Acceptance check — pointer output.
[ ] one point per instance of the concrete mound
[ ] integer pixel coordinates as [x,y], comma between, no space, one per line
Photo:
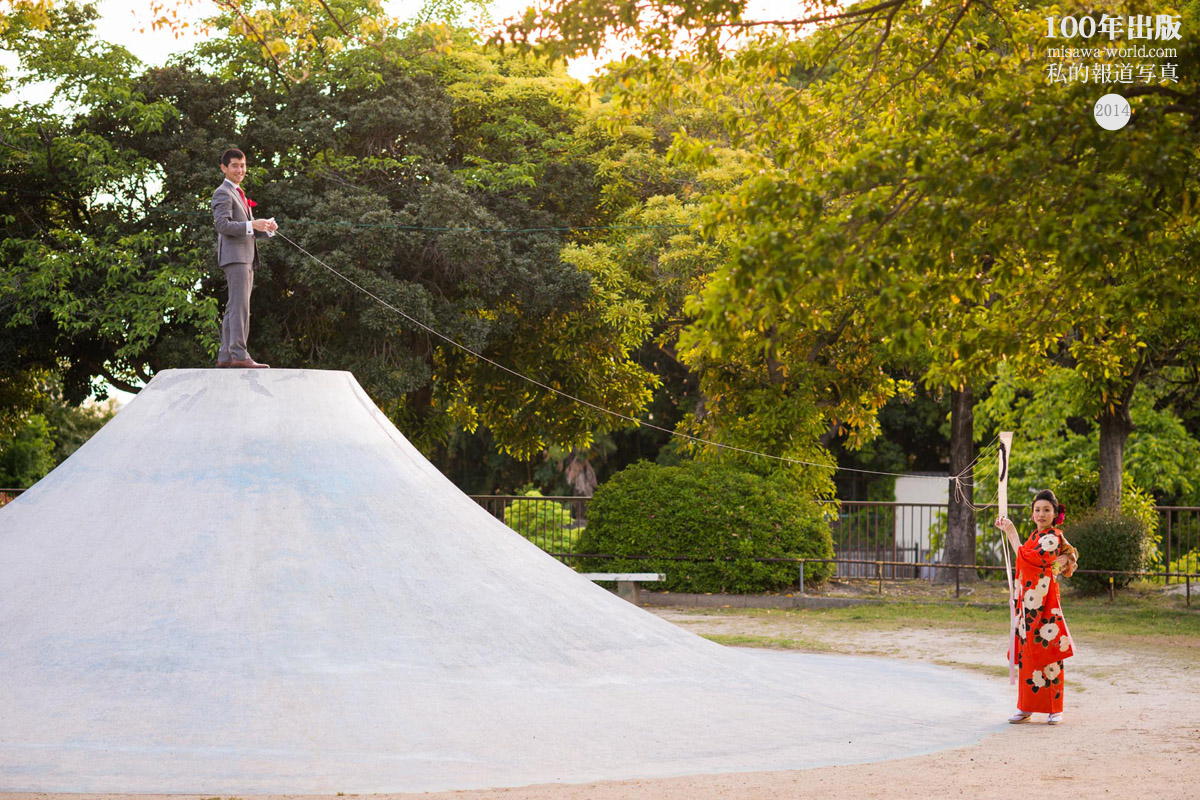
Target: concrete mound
[250,582]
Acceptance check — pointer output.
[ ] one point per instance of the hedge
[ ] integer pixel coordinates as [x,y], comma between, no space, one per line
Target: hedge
[701,511]
[1108,541]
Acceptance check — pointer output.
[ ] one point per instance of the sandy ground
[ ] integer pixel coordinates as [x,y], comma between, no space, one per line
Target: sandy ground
[1132,728]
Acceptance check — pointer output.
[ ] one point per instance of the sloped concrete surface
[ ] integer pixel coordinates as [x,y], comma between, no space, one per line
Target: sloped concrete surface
[249,581]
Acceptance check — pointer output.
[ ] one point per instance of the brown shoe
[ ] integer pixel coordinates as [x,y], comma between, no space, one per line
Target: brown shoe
[248,363]
[223,364]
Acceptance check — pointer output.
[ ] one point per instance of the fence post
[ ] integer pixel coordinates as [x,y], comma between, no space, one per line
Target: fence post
[802,576]
[1189,588]
[956,581]
[879,570]
[1168,540]
[1111,591]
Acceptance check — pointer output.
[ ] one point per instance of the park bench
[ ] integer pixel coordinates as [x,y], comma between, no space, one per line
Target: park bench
[627,582]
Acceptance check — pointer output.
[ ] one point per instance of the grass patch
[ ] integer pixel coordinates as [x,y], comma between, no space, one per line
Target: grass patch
[1128,619]
[1131,618]
[991,670]
[769,642]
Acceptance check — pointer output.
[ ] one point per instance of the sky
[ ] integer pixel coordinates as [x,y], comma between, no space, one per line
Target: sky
[126,22]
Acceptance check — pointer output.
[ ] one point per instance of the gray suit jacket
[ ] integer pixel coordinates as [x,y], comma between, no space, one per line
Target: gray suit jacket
[234,245]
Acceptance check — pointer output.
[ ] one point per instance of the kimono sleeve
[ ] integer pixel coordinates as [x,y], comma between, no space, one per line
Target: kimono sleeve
[1065,548]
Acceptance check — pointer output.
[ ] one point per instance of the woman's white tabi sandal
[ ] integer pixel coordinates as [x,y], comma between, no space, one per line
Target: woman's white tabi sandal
[1019,717]
[1054,719]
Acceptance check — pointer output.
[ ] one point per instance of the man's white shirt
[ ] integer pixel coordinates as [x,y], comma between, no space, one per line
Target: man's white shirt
[238,194]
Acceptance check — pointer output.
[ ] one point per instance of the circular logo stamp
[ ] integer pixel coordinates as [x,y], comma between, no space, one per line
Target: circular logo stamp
[1112,112]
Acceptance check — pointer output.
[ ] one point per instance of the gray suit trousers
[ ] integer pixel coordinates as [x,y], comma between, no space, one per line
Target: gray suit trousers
[235,326]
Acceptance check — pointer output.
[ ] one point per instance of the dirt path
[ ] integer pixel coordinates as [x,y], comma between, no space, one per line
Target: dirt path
[1132,729]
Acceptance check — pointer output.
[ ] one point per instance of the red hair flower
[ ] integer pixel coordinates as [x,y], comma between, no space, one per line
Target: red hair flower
[1062,514]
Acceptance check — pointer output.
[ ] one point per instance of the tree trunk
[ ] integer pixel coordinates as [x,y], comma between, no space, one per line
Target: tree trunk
[960,525]
[1115,427]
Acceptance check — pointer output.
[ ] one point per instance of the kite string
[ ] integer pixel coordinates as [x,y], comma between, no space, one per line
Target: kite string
[960,485]
[982,452]
[956,479]
[960,495]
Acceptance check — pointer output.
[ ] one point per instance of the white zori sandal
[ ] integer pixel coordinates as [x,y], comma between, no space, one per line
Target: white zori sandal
[1054,719]
[1019,717]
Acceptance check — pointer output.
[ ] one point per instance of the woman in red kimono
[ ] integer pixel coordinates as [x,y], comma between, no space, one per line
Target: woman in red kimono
[1042,641]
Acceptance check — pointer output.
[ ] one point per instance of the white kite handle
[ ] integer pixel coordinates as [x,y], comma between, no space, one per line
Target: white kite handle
[1002,513]
[1002,483]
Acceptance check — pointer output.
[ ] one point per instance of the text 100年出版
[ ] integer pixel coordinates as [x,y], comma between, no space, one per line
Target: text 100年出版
[1135,26]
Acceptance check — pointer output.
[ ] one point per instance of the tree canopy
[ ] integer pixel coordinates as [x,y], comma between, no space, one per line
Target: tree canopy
[444,181]
[762,232]
[922,193]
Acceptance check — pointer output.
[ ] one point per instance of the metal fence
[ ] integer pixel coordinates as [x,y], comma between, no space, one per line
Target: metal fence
[552,523]
[865,531]
[1179,527]
[871,539]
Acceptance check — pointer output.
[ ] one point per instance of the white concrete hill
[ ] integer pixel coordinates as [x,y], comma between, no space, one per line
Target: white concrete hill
[250,582]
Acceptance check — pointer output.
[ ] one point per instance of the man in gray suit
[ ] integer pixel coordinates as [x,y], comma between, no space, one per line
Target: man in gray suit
[237,255]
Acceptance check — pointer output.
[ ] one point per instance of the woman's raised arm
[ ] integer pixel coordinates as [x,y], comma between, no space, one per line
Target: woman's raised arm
[1010,532]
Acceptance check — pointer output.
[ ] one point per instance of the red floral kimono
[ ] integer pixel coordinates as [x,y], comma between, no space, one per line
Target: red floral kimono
[1042,640]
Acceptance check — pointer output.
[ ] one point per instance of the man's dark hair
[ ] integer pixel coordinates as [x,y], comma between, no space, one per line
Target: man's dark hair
[230,155]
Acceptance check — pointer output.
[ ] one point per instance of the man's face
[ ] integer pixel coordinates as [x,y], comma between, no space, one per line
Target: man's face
[235,170]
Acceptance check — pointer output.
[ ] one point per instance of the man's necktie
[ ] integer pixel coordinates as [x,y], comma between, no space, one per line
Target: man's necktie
[245,202]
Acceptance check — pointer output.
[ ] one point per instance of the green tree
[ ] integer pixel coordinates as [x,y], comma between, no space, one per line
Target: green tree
[47,434]
[917,173]
[1058,438]
[441,176]
[27,456]
[88,289]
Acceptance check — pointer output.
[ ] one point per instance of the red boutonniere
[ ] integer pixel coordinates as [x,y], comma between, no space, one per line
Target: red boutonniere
[250,202]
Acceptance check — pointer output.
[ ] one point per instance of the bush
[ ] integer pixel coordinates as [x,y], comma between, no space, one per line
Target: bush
[29,456]
[1080,491]
[1188,562]
[546,523]
[1108,541]
[698,510]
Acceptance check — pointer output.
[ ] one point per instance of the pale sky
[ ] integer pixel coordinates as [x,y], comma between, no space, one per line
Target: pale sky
[122,22]
[127,22]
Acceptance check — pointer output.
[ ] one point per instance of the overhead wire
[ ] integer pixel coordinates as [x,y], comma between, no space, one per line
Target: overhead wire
[957,479]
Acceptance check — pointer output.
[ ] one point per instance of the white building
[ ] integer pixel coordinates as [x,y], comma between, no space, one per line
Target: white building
[922,499]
